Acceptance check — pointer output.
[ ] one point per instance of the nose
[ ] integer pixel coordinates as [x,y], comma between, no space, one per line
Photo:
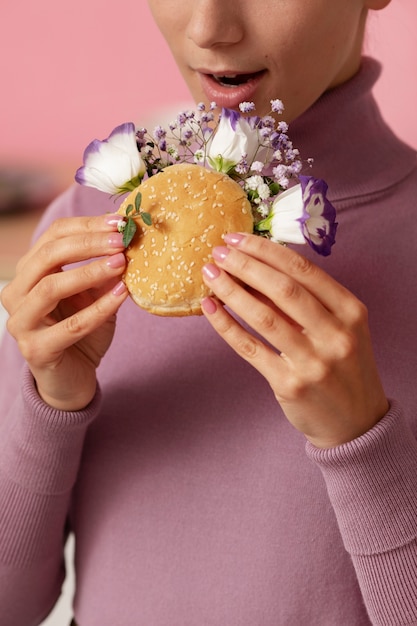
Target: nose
[215,23]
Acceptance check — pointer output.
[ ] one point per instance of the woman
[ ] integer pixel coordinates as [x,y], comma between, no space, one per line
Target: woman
[192,497]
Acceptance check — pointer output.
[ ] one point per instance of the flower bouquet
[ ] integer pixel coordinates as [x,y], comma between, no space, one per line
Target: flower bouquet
[252,151]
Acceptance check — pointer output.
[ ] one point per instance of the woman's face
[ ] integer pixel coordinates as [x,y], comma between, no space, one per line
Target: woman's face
[230,51]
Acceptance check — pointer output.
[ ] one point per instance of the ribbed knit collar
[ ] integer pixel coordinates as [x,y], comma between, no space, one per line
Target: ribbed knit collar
[353,148]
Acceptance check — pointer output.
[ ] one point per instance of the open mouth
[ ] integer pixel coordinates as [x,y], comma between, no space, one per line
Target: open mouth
[234,80]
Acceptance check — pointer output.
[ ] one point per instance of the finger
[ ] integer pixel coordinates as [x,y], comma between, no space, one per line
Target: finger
[53,255]
[260,355]
[262,316]
[55,288]
[47,344]
[67,226]
[284,291]
[334,296]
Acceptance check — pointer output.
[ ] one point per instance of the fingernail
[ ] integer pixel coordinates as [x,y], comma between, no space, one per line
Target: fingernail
[119,289]
[234,239]
[115,240]
[220,253]
[210,271]
[116,260]
[113,220]
[209,305]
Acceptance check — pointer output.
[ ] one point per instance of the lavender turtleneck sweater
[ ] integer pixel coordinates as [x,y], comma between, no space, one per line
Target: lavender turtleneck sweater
[193,501]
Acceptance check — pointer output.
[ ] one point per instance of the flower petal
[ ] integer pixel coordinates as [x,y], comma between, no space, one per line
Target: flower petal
[321,226]
[110,165]
[235,138]
[288,216]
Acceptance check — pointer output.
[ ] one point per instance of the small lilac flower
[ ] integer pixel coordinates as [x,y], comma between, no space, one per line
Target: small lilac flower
[247,107]
[113,165]
[257,166]
[234,139]
[277,106]
[303,214]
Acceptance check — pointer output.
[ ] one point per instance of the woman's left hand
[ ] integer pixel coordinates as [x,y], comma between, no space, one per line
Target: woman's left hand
[317,354]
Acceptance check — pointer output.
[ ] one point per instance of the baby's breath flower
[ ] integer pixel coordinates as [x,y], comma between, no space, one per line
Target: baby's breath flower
[199,156]
[264,191]
[257,166]
[255,151]
[277,106]
[247,107]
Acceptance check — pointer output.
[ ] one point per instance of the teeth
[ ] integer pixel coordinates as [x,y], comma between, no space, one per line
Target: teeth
[231,80]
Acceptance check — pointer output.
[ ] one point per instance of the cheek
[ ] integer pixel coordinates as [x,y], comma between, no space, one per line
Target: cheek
[170,18]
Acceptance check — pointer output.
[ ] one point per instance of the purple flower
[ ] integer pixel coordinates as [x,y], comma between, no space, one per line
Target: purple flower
[303,214]
[319,229]
[113,165]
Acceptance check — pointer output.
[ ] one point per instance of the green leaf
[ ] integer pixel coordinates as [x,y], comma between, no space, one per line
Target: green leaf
[138,200]
[129,232]
[146,218]
[129,209]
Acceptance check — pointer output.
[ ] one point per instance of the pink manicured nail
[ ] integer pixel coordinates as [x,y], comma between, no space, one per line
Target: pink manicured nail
[113,220]
[210,271]
[233,239]
[119,289]
[116,261]
[220,253]
[209,305]
[115,240]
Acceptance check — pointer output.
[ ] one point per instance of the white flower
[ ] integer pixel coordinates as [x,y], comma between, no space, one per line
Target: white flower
[253,182]
[286,216]
[113,165]
[303,214]
[234,139]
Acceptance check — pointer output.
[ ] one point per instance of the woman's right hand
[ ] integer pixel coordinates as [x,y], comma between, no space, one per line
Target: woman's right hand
[64,319]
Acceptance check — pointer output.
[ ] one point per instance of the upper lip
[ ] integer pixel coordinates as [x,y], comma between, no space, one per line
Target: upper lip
[227,73]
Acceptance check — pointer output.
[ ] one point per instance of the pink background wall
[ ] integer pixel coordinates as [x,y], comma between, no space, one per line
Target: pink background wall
[71,71]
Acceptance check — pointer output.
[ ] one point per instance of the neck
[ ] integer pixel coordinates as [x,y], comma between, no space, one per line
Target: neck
[352,147]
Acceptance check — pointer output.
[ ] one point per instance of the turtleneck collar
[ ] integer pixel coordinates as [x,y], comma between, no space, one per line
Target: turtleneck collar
[352,147]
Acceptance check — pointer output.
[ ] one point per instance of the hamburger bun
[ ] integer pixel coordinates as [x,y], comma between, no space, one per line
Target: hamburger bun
[191,208]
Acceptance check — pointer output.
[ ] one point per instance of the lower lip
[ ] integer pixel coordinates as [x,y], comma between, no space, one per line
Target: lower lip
[226,96]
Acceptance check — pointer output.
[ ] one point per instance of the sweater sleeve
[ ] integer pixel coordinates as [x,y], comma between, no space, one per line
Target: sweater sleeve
[372,484]
[40,451]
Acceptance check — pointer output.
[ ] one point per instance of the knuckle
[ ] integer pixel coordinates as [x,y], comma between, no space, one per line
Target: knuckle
[265,320]
[244,262]
[88,272]
[4,297]
[85,242]
[345,345]
[294,388]
[11,327]
[29,347]
[247,347]
[46,252]
[300,265]
[91,224]
[244,344]
[286,287]
[58,227]
[73,324]
[46,288]
[359,314]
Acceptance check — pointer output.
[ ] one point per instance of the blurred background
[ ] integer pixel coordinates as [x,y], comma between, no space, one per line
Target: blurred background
[72,71]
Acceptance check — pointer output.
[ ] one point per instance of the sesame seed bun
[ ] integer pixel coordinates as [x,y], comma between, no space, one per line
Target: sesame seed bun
[192,208]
